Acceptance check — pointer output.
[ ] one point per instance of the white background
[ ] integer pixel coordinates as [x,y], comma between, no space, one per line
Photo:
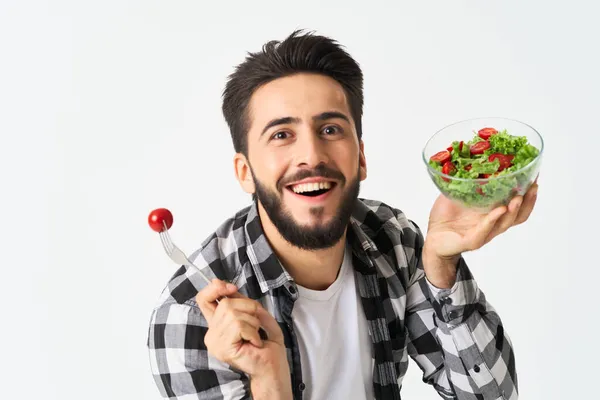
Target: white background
[110,109]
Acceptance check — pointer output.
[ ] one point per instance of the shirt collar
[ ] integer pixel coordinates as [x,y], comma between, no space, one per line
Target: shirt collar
[269,272]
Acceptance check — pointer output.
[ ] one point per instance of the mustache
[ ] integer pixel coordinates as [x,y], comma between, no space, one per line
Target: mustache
[321,171]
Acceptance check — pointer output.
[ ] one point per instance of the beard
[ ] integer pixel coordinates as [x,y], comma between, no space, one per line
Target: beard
[322,235]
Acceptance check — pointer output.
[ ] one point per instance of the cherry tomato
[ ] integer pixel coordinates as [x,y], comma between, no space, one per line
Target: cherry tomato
[157,217]
[485,133]
[441,157]
[447,169]
[504,159]
[480,147]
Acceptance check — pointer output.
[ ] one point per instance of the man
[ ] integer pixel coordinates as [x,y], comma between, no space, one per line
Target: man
[345,288]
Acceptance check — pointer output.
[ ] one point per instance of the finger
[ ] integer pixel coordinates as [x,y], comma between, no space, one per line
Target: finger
[270,325]
[238,331]
[234,316]
[528,205]
[230,305]
[477,236]
[207,297]
[226,340]
[508,219]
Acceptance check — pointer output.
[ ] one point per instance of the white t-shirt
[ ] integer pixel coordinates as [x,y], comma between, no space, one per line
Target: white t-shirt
[334,341]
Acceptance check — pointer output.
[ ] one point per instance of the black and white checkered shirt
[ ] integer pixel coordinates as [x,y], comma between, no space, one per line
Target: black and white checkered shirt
[454,335]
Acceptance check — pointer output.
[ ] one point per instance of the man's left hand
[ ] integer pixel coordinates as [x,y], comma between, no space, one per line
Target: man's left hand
[454,229]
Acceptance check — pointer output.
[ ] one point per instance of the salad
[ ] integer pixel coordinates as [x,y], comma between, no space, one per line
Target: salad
[485,167]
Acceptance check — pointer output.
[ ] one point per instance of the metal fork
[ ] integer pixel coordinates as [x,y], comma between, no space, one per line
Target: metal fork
[179,257]
[176,254]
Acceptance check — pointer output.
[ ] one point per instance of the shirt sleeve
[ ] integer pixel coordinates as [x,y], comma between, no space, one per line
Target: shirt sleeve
[181,366]
[455,336]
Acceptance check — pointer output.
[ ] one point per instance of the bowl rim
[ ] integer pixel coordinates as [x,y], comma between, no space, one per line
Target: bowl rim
[528,166]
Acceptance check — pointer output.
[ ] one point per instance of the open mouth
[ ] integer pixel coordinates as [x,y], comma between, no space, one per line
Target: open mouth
[312,189]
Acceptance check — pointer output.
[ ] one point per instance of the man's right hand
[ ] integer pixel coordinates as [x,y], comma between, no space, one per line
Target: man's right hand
[233,338]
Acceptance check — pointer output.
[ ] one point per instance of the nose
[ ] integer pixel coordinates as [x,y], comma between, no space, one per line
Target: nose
[311,150]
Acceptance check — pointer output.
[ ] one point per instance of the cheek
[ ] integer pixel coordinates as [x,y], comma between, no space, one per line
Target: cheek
[348,161]
[269,167]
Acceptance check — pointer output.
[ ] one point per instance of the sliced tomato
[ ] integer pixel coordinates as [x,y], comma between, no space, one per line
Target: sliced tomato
[468,167]
[159,218]
[504,159]
[460,146]
[448,168]
[480,147]
[480,191]
[441,157]
[450,148]
[485,133]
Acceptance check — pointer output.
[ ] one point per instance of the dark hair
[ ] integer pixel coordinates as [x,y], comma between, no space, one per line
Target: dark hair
[299,52]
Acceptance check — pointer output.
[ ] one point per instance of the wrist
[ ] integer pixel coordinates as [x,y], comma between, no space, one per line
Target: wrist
[440,271]
[273,382]
[271,387]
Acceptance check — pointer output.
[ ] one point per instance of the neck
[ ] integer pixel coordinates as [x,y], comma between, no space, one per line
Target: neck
[312,269]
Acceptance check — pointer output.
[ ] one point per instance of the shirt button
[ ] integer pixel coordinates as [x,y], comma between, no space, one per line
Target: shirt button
[292,290]
[476,368]
[448,300]
[301,386]
[452,314]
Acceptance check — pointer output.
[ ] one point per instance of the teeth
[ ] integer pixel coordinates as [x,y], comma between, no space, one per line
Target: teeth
[311,187]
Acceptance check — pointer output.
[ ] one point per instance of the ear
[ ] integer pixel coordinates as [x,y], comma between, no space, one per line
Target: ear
[362,162]
[243,173]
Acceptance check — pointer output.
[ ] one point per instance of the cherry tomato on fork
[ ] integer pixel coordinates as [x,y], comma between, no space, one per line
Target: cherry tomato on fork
[158,218]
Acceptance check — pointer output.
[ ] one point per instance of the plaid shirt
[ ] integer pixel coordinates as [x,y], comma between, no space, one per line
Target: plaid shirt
[454,335]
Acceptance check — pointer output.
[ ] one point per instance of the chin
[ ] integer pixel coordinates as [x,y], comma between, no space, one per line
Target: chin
[312,216]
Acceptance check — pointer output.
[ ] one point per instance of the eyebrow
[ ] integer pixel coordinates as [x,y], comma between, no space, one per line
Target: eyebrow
[293,120]
[279,121]
[331,115]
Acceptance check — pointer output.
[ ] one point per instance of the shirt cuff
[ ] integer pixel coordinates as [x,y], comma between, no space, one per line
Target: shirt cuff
[454,305]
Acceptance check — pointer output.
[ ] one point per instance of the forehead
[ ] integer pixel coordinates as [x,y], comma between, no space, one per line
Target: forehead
[301,96]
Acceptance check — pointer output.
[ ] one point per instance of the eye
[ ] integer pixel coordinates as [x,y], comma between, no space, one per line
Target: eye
[330,130]
[281,135]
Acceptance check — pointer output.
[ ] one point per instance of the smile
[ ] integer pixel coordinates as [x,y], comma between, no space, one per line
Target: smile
[312,189]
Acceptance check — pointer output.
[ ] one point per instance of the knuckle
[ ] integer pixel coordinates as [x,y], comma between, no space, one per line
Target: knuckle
[200,297]
[238,324]
[225,304]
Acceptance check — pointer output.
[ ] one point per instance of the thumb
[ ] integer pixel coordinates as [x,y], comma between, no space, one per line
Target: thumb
[207,297]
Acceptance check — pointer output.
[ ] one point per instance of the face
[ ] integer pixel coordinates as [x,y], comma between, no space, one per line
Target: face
[305,162]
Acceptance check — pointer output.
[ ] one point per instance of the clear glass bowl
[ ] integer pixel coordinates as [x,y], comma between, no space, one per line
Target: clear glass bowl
[483,194]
